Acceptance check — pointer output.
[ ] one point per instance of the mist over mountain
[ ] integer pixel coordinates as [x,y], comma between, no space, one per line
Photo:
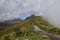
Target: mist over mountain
[51,11]
[11,9]
[13,21]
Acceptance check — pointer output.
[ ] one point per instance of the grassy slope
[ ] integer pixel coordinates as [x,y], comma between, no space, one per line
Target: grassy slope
[44,25]
[25,30]
[22,31]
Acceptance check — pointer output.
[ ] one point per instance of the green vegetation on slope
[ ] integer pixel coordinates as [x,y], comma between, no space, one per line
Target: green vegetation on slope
[25,30]
[44,25]
[21,31]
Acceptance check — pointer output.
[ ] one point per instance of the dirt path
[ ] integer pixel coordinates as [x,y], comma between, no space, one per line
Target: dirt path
[51,36]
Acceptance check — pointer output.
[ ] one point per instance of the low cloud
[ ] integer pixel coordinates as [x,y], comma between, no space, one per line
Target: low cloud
[10,9]
[51,11]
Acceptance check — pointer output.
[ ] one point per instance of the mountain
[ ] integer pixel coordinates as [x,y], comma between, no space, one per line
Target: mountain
[24,30]
[30,17]
[12,22]
[7,23]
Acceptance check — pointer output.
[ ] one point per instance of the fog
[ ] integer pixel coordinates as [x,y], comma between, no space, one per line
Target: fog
[11,9]
[49,9]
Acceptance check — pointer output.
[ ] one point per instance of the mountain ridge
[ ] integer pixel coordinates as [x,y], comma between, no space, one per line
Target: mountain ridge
[25,25]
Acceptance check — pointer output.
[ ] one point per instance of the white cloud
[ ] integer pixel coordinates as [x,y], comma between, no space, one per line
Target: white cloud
[51,11]
[10,9]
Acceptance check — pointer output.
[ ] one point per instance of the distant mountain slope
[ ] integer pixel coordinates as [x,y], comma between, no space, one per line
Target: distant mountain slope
[7,23]
[12,22]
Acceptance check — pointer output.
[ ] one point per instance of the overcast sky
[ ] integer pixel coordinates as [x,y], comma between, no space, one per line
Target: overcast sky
[10,9]
[51,11]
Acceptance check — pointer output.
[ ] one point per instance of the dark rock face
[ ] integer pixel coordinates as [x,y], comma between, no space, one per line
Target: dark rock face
[30,16]
[4,25]
[9,23]
[12,22]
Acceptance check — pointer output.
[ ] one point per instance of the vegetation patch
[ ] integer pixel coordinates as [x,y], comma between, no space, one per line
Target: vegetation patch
[44,25]
[22,31]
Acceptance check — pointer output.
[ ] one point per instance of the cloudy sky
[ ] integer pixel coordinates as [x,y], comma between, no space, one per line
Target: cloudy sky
[10,9]
[51,11]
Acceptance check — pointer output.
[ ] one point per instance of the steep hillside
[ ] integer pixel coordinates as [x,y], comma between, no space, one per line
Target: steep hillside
[44,25]
[22,31]
[25,30]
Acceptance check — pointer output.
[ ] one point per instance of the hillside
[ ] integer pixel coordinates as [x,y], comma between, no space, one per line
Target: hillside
[44,25]
[25,30]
